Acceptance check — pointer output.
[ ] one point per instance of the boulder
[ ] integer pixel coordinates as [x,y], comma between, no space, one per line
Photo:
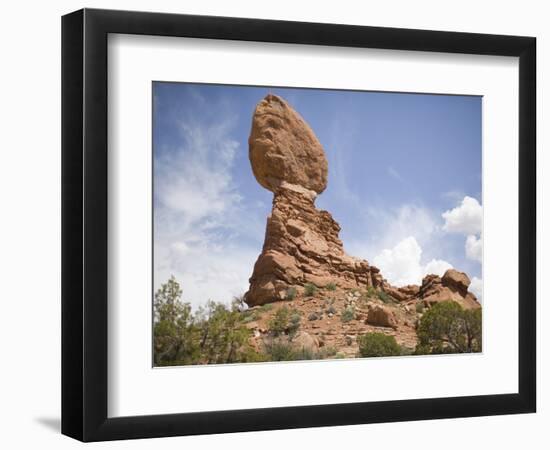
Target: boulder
[381,316]
[455,280]
[284,150]
[305,341]
[452,286]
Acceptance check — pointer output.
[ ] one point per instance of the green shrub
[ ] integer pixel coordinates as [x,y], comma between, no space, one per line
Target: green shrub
[279,322]
[283,350]
[310,289]
[290,293]
[278,350]
[384,297]
[331,310]
[420,307]
[214,334]
[303,354]
[447,328]
[327,352]
[348,314]
[267,307]
[331,287]
[223,337]
[313,316]
[294,323]
[285,321]
[378,344]
[175,334]
[370,294]
[250,316]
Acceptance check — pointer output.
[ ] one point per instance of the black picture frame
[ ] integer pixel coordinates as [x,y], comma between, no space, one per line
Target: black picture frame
[84,224]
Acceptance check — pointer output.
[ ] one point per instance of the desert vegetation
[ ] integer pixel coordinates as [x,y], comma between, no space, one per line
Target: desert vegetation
[311,323]
[378,344]
[448,328]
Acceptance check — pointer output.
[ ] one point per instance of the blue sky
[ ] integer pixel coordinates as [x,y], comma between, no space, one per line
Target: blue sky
[404,182]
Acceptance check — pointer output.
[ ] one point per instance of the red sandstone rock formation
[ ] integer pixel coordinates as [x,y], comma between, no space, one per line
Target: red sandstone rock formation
[301,242]
[452,286]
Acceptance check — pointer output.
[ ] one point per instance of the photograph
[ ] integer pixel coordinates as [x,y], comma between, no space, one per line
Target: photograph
[298,224]
[249,225]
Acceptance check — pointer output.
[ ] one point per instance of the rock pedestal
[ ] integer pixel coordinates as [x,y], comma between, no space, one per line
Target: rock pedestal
[302,246]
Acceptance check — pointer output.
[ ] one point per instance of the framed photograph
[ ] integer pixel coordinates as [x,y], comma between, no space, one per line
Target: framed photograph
[273,224]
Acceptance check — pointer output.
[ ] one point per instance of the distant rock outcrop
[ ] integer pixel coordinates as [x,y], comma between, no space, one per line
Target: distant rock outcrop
[302,243]
[452,286]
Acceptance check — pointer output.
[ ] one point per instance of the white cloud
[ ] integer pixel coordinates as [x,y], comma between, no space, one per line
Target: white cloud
[474,248]
[409,220]
[476,288]
[200,218]
[465,218]
[437,267]
[409,243]
[401,265]
[206,272]
[195,180]
[388,226]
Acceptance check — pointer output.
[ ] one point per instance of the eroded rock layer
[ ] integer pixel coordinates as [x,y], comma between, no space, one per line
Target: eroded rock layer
[302,246]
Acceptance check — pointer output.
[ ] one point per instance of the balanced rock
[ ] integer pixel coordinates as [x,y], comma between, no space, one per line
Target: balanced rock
[301,242]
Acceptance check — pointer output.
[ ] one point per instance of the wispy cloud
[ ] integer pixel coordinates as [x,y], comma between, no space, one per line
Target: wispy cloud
[454,195]
[388,226]
[395,174]
[205,231]
[195,180]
